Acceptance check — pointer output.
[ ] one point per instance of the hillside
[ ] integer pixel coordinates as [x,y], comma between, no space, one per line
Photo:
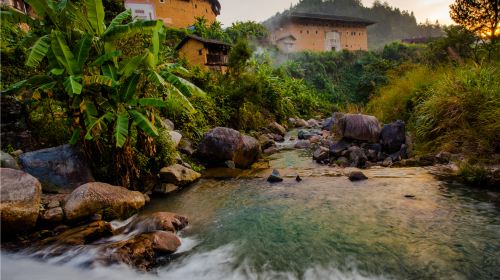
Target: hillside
[392,23]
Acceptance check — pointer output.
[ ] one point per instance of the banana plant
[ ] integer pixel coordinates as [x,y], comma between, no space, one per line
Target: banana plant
[99,83]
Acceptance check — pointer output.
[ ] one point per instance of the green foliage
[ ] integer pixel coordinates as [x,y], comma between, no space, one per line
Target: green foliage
[212,31]
[449,108]
[239,56]
[474,175]
[110,94]
[249,30]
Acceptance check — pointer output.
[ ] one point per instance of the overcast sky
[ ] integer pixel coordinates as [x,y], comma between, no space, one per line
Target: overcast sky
[259,10]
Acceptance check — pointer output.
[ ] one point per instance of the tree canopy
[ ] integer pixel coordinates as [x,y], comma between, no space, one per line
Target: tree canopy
[479,16]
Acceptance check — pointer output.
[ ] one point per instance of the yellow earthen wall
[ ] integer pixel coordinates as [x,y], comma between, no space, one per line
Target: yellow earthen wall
[312,36]
[191,52]
[182,13]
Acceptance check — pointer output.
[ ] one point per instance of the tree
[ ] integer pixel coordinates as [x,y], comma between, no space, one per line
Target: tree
[239,56]
[479,16]
[110,97]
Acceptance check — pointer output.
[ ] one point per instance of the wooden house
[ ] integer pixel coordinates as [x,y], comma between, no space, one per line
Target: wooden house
[206,53]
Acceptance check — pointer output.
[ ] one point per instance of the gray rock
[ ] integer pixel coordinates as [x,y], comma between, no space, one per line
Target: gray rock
[52,216]
[176,137]
[19,201]
[387,162]
[321,154]
[7,161]
[60,169]
[301,123]
[277,128]
[392,136]
[357,156]
[337,148]
[165,188]
[221,144]
[186,147]
[113,202]
[270,151]
[302,144]
[312,123]
[265,141]
[359,127]
[179,175]
[275,177]
[308,134]
[168,124]
[357,176]
[328,124]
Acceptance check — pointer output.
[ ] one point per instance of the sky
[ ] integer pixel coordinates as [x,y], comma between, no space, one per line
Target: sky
[259,10]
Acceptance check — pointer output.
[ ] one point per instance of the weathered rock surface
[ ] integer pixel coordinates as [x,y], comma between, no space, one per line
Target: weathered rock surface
[176,137]
[359,127]
[321,154]
[59,169]
[165,188]
[164,221]
[53,215]
[20,201]
[7,161]
[101,198]
[338,147]
[277,128]
[357,156]
[265,141]
[392,136]
[275,177]
[179,175]
[82,235]
[222,144]
[301,123]
[302,144]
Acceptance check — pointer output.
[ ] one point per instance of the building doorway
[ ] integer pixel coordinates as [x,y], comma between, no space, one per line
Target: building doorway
[332,41]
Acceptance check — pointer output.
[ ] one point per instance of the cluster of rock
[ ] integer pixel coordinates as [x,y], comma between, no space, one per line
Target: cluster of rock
[357,141]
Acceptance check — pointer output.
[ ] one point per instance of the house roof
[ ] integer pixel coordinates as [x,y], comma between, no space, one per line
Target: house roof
[324,17]
[202,40]
[216,7]
[286,37]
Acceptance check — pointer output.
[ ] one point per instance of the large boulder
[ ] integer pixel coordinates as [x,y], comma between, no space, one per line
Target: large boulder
[393,136]
[277,128]
[19,200]
[101,198]
[60,169]
[359,127]
[223,144]
[178,175]
[7,161]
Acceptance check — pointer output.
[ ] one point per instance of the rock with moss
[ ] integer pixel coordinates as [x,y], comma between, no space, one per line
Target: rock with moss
[7,161]
[179,175]
[113,202]
[20,201]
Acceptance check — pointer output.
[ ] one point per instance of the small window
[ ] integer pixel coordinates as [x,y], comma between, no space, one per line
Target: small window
[195,5]
[316,31]
[301,31]
[162,1]
[200,51]
[307,31]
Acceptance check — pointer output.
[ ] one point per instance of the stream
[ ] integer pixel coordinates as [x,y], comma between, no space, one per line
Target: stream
[399,224]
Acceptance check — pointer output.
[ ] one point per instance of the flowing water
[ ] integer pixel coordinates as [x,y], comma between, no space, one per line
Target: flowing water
[399,224]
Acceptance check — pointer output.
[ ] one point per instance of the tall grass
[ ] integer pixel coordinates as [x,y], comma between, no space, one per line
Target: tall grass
[454,109]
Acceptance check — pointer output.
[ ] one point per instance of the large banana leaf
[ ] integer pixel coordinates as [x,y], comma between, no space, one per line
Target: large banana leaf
[95,14]
[120,18]
[38,51]
[34,82]
[109,71]
[130,65]
[98,125]
[121,128]
[158,80]
[82,51]
[143,123]
[72,85]
[105,57]
[128,89]
[62,52]
[99,80]
[152,102]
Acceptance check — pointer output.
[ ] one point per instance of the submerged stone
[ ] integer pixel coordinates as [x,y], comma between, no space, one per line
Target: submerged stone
[275,177]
